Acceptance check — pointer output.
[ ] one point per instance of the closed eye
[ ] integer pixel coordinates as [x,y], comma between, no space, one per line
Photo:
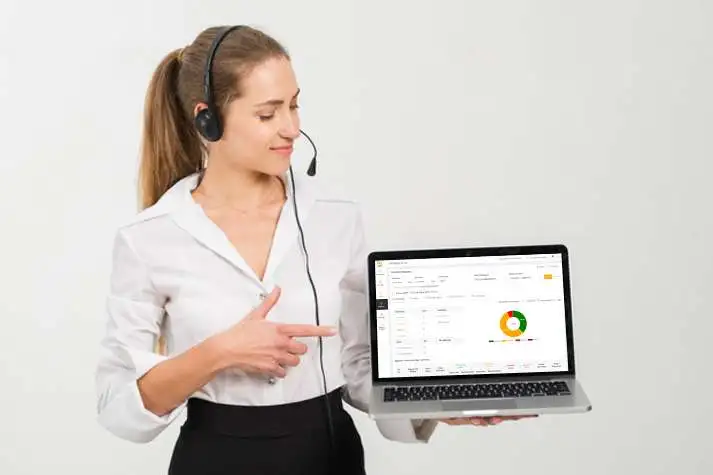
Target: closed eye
[265,118]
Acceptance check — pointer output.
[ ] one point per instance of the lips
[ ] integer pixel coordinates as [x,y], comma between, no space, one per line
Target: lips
[284,150]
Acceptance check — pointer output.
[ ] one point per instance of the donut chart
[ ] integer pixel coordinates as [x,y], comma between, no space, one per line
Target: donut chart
[513,323]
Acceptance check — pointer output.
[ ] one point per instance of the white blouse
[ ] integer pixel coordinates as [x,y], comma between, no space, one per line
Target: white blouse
[175,272]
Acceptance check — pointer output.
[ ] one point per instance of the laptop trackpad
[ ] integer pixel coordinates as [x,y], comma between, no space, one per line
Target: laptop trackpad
[479,405]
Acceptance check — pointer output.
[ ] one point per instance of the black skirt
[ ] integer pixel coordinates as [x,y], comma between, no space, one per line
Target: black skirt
[292,439]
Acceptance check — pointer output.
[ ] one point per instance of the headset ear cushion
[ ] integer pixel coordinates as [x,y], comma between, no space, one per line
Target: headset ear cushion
[207,125]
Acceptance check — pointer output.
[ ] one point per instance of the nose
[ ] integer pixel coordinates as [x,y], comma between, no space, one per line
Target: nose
[290,126]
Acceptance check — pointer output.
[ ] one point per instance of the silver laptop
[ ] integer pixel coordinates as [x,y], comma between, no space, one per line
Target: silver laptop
[472,332]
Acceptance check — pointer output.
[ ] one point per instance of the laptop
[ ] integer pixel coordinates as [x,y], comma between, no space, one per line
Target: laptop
[472,332]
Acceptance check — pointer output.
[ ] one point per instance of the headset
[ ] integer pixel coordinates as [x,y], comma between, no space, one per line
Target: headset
[209,125]
[208,120]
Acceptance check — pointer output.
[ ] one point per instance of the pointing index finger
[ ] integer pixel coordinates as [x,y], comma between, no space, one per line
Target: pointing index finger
[296,329]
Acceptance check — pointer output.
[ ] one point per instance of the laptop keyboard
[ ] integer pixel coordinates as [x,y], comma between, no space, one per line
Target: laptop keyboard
[475,391]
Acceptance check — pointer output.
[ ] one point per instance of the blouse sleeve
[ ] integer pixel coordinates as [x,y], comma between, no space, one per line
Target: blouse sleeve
[356,362]
[134,312]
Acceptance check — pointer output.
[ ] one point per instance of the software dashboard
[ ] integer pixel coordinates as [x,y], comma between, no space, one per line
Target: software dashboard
[470,315]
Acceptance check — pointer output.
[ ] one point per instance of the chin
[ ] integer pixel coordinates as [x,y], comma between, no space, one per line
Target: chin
[276,168]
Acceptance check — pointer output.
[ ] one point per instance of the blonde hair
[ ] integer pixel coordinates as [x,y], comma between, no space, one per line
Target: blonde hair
[171,148]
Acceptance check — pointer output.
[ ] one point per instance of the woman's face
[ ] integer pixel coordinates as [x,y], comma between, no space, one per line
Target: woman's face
[260,127]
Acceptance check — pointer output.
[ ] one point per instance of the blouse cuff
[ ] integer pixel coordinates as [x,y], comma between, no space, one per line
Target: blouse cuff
[125,414]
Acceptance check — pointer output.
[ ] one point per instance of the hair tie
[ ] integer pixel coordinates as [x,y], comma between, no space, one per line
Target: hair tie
[180,54]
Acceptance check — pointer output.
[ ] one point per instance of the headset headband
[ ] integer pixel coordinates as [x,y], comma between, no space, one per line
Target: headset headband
[208,73]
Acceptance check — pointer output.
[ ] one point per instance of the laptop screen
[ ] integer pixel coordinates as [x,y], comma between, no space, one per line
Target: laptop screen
[475,315]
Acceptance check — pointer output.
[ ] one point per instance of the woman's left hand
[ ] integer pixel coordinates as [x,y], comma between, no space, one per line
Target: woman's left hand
[482,421]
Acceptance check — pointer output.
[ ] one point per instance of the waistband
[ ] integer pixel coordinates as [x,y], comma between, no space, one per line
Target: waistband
[262,421]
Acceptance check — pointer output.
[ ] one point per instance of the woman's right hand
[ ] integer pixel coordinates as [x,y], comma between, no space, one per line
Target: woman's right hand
[256,345]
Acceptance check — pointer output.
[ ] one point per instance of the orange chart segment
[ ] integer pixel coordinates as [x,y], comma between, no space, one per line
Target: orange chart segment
[513,323]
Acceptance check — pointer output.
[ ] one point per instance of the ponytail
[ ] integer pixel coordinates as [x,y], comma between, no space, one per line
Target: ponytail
[170,148]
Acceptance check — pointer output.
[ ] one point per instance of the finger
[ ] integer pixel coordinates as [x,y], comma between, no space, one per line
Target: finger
[479,421]
[261,311]
[515,418]
[296,329]
[295,347]
[287,359]
[279,372]
[290,345]
[273,367]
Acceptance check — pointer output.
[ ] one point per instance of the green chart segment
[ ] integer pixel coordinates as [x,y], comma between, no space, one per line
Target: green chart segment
[513,323]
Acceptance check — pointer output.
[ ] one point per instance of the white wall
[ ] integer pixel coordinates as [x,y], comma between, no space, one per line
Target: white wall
[513,122]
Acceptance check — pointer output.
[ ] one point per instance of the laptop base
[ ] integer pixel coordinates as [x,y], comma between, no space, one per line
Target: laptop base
[576,402]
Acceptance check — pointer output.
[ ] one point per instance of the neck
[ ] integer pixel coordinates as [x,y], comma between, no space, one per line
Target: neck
[240,189]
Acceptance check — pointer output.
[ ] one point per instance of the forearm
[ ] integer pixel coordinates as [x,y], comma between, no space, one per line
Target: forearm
[169,383]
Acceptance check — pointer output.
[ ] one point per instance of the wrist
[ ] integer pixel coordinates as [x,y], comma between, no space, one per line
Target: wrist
[216,355]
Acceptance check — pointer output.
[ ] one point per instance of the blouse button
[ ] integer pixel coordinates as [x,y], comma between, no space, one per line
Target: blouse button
[271,380]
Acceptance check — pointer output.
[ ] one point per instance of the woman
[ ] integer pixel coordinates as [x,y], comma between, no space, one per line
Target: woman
[254,331]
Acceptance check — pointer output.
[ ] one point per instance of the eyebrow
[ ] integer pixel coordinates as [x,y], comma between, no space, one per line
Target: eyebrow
[276,102]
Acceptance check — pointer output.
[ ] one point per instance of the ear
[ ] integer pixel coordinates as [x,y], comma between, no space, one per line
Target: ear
[199,107]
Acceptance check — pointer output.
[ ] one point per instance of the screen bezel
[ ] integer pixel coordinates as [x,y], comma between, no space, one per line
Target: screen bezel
[471,252]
